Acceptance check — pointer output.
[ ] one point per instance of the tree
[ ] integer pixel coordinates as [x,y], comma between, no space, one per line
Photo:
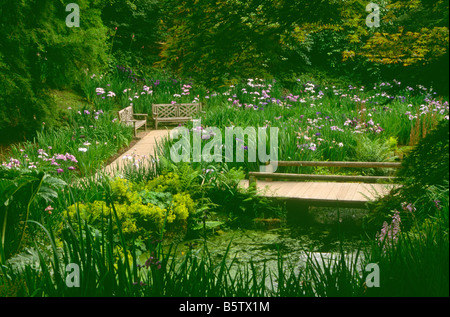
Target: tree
[134,28]
[412,42]
[37,52]
[216,41]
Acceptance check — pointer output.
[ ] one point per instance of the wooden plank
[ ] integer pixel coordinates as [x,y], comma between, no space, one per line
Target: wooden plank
[329,178]
[272,189]
[343,191]
[340,164]
[298,189]
[376,190]
[280,188]
[332,193]
[313,191]
[350,195]
[362,193]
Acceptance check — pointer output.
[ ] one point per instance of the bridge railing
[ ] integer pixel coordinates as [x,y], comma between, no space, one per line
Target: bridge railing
[269,175]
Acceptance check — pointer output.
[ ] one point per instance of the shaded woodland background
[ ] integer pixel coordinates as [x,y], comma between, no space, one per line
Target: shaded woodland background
[213,43]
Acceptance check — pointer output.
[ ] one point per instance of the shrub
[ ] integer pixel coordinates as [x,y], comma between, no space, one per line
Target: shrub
[424,179]
[21,190]
[38,52]
[142,212]
[167,182]
[428,163]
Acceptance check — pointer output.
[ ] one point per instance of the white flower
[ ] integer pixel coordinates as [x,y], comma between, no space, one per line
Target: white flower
[82,149]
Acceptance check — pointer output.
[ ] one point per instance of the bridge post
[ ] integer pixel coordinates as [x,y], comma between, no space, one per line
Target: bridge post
[267,168]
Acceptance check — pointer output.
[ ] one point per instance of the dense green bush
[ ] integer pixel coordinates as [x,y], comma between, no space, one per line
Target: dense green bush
[145,210]
[37,52]
[24,193]
[424,179]
[133,26]
[428,163]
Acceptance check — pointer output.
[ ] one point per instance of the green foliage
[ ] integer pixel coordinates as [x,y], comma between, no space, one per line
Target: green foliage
[134,31]
[417,263]
[82,145]
[112,266]
[38,51]
[424,179]
[221,41]
[167,182]
[378,150]
[144,210]
[428,163]
[20,189]
[222,185]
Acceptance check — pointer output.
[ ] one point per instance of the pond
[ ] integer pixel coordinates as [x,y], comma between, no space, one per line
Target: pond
[259,245]
[298,242]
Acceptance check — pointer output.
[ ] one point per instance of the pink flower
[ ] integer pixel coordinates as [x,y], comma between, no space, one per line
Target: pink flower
[54,163]
[60,170]
[389,233]
[49,210]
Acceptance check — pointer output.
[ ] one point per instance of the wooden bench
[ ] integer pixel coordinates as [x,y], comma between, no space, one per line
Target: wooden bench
[127,116]
[174,112]
[268,175]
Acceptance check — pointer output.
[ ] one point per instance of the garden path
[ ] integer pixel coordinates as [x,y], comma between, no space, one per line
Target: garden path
[314,193]
[140,152]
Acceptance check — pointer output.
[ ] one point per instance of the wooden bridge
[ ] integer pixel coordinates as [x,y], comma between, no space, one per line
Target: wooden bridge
[311,189]
[324,190]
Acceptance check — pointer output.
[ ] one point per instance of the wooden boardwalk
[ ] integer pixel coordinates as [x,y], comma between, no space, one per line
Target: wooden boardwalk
[322,193]
[140,153]
[319,193]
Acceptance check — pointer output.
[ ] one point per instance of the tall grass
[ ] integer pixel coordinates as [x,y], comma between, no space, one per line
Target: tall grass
[89,137]
[110,266]
[315,121]
[337,122]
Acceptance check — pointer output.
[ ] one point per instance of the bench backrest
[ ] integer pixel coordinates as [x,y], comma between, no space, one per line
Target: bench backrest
[180,110]
[126,114]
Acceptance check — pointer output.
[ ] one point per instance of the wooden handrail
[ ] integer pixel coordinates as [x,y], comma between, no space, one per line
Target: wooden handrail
[330,178]
[314,177]
[338,164]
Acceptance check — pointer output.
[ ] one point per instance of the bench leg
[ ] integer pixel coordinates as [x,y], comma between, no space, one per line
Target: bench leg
[156,124]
